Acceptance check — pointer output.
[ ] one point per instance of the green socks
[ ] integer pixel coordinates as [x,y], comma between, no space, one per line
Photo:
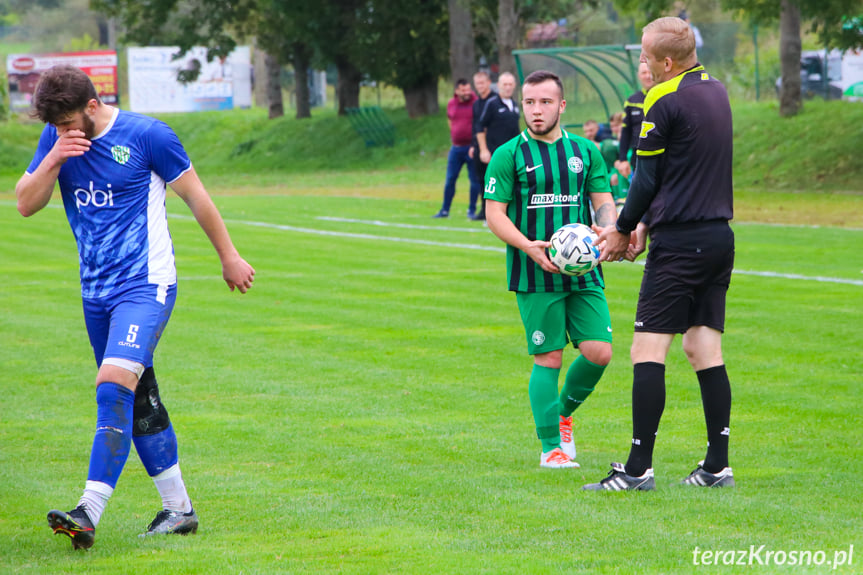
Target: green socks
[581,378]
[544,405]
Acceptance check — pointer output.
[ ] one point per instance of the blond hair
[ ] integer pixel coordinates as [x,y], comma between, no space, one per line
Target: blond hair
[673,39]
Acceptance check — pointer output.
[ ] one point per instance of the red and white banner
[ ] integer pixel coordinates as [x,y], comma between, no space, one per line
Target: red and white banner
[24,71]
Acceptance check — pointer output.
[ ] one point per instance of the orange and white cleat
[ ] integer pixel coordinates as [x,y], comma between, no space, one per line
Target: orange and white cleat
[566,441]
[557,459]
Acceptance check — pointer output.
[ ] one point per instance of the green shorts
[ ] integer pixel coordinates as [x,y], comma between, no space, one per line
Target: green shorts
[551,320]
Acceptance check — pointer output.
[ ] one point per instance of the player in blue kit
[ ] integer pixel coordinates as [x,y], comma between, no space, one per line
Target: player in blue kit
[113,167]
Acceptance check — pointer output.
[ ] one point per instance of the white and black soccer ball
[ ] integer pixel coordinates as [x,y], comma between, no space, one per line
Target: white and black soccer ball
[573,249]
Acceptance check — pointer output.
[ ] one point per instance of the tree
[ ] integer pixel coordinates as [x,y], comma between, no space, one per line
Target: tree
[507,34]
[405,44]
[301,57]
[299,33]
[790,47]
[826,17]
[279,30]
[335,29]
[275,105]
[401,42]
[502,23]
[462,53]
[215,24]
[52,25]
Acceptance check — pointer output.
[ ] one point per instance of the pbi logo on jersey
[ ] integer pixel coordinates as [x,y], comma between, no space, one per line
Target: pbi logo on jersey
[489,188]
[575,165]
[121,154]
[646,127]
[94,197]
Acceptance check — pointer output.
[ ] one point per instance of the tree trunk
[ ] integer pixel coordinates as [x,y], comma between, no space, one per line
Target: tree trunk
[462,57]
[422,100]
[790,99]
[347,85]
[302,61]
[259,76]
[273,80]
[507,35]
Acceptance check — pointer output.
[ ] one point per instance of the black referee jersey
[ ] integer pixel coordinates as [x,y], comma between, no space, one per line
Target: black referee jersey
[684,154]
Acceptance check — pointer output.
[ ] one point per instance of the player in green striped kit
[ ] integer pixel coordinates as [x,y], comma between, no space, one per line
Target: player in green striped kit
[535,183]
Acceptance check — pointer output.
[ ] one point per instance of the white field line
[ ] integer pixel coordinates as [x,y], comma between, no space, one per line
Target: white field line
[486,248]
[501,249]
[479,229]
[334,233]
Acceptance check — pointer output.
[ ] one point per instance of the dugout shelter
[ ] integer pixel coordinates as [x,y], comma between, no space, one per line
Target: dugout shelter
[597,80]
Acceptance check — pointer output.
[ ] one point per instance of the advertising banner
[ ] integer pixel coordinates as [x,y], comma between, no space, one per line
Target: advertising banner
[155,80]
[24,71]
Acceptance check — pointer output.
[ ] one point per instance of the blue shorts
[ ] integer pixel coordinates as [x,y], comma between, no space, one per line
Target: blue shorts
[129,323]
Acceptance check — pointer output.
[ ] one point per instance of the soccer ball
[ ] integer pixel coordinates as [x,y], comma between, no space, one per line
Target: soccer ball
[573,249]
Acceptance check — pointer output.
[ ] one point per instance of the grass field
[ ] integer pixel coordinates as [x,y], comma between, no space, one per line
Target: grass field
[364,408]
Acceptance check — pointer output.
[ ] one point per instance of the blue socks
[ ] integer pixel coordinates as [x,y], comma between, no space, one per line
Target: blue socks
[113,438]
[158,452]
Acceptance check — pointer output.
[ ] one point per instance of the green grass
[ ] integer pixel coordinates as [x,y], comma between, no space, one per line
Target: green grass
[364,408]
[816,151]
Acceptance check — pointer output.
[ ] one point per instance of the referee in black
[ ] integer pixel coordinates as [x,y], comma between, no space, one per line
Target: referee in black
[681,195]
[633,112]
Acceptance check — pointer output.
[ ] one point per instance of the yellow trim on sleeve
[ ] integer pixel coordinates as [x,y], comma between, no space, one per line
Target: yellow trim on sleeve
[650,152]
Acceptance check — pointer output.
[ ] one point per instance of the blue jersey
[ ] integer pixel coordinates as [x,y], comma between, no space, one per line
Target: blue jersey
[114,196]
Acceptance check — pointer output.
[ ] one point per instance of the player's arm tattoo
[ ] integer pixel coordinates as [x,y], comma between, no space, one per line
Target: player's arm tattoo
[605,214]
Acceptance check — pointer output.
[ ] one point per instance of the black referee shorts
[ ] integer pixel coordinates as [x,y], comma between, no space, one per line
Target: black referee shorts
[686,277]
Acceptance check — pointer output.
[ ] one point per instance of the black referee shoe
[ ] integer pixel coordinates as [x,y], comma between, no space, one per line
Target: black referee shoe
[618,480]
[74,524]
[702,478]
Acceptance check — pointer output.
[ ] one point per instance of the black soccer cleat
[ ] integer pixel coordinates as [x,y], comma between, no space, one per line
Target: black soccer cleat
[167,522]
[618,480]
[74,524]
[702,478]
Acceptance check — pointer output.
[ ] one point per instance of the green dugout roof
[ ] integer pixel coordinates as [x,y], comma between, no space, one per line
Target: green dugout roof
[596,79]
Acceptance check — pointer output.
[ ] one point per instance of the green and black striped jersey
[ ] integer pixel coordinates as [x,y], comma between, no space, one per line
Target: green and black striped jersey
[545,186]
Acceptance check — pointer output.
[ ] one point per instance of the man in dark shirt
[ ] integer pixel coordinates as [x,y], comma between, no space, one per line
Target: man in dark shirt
[482,85]
[682,192]
[633,112]
[498,123]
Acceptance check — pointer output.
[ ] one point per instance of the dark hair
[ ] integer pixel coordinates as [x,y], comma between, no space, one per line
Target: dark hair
[62,91]
[461,82]
[541,76]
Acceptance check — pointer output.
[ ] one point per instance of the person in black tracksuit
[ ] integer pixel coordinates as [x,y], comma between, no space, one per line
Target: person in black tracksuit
[482,85]
[633,112]
[498,123]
